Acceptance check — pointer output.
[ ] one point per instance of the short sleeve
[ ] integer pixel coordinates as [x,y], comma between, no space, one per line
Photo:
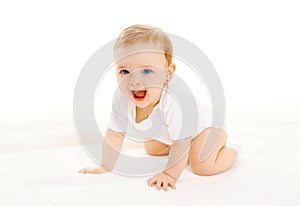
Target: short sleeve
[180,123]
[204,115]
[119,116]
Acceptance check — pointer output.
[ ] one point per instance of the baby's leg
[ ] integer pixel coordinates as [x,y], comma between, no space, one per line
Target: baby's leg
[156,148]
[211,157]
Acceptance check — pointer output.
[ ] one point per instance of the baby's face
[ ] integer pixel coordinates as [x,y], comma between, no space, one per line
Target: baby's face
[142,76]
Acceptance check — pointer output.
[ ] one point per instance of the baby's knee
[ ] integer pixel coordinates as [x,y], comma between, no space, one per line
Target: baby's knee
[202,169]
[155,152]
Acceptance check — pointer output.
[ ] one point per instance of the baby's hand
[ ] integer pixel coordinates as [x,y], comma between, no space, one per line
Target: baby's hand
[93,170]
[162,180]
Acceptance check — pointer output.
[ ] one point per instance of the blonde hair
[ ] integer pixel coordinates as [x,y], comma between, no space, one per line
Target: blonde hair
[142,33]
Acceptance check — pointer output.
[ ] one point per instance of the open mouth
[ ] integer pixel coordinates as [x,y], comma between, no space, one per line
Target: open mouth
[139,95]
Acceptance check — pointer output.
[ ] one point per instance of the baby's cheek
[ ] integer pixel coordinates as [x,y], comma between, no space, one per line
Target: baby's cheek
[155,91]
[123,89]
[155,83]
[122,84]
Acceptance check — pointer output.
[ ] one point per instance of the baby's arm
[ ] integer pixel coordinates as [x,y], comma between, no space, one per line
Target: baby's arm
[111,148]
[178,157]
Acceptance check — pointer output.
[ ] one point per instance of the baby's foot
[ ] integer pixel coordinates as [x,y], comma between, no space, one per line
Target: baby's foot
[238,149]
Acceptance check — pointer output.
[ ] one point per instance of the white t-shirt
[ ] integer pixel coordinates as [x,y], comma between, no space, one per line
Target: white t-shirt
[165,123]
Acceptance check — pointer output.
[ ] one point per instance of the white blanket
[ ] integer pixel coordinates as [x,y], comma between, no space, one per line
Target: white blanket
[39,166]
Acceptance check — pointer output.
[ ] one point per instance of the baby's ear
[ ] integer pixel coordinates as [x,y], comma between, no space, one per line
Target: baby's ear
[170,70]
[172,67]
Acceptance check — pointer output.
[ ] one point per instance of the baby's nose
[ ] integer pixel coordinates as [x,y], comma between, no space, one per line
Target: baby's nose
[134,83]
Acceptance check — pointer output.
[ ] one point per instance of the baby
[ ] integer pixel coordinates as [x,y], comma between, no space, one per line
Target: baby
[144,79]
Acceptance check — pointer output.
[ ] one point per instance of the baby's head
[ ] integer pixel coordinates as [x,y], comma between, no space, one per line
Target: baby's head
[143,56]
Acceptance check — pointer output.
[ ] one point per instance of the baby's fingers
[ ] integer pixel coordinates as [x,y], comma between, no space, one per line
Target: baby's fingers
[83,170]
[89,170]
[172,185]
[158,184]
[165,185]
[151,181]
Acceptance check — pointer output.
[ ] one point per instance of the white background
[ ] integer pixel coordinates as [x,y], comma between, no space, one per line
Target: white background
[254,46]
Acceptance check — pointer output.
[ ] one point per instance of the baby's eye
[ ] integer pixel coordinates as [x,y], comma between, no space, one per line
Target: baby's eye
[147,71]
[124,71]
